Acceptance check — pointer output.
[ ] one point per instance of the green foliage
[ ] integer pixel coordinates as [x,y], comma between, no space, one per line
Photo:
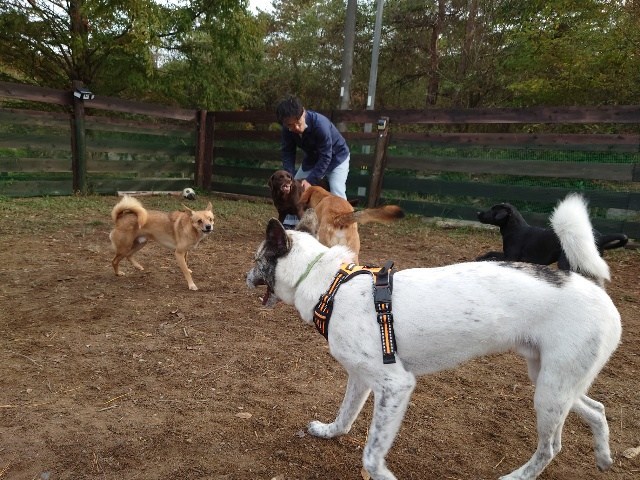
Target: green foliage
[303,53]
[486,53]
[217,55]
[194,53]
[571,52]
[51,43]
[211,64]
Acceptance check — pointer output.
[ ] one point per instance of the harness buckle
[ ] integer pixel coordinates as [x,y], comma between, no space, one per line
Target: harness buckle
[382,294]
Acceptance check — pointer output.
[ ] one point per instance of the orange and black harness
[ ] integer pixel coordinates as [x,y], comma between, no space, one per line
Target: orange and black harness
[382,288]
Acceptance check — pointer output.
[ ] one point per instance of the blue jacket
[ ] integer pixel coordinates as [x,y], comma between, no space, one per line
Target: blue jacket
[323,146]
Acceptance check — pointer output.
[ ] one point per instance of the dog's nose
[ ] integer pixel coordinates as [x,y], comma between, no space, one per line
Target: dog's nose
[208,228]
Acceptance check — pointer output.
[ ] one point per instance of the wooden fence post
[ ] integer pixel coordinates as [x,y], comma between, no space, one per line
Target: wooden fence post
[199,175]
[209,147]
[78,142]
[379,162]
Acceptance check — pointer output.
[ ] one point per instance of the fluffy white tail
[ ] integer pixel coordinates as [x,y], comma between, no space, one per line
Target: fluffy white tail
[571,223]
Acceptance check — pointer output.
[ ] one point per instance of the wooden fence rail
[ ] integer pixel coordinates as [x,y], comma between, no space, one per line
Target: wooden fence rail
[450,170]
[439,162]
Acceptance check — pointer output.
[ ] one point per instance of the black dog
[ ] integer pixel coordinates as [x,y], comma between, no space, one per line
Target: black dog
[522,242]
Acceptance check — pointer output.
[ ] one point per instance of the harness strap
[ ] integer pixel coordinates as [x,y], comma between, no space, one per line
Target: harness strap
[383,285]
[382,300]
[324,307]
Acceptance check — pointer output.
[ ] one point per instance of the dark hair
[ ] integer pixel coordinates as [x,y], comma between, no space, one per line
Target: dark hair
[290,107]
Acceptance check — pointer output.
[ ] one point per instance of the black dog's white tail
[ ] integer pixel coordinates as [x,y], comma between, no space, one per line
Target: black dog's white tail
[571,223]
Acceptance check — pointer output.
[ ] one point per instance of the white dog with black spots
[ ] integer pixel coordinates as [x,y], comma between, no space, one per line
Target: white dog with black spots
[562,322]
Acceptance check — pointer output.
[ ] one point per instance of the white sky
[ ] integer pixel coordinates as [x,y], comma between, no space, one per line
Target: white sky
[264,5]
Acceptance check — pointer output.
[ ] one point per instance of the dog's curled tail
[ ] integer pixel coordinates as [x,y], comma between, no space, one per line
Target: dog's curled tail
[130,204]
[611,241]
[571,223]
[384,214]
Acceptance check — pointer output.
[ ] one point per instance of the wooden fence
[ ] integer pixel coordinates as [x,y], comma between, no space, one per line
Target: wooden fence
[452,163]
[99,145]
[445,163]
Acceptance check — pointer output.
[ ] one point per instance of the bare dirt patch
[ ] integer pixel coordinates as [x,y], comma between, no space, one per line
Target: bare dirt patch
[139,378]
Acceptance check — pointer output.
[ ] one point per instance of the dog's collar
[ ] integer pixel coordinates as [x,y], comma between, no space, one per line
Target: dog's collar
[308,270]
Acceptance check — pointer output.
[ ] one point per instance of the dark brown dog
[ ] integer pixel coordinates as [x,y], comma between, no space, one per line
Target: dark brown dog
[285,192]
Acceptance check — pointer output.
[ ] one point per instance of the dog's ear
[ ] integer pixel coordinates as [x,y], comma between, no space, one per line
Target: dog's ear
[277,240]
[187,209]
[308,223]
[209,207]
[305,197]
[502,213]
[271,179]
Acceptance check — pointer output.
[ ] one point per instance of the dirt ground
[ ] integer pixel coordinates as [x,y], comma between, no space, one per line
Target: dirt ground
[137,377]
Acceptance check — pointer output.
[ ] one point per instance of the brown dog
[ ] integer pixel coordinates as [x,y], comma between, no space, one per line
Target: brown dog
[337,220]
[285,192]
[179,231]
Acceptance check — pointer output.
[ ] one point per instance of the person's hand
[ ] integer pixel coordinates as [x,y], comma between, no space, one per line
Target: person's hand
[305,185]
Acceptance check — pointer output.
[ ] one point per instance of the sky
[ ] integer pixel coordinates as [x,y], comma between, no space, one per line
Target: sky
[264,5]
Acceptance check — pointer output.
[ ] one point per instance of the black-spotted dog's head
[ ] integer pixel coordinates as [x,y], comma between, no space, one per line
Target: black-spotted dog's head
[276,244]
[308,223]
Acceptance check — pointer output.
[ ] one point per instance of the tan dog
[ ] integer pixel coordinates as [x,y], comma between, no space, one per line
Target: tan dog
[337,220]
[179,231]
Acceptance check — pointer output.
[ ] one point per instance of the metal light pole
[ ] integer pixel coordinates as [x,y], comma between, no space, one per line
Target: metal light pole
[373,79]
[347,57]
[373,73]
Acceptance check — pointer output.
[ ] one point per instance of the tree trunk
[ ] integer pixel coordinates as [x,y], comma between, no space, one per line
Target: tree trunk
[470,29]
[434,60]
[79,29]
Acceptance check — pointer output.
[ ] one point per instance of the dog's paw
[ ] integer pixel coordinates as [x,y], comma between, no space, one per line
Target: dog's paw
[193,287]
[515,475]
[322,430]
[604,463]
[120,274]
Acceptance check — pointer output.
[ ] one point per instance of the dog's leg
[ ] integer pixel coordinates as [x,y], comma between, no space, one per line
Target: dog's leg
[491,256]
[186,254]
[115,263]
[552,404]
[354,397]
[391,397]
[181,258]
[592,413]
[532,356]
[137,245]
[121,254]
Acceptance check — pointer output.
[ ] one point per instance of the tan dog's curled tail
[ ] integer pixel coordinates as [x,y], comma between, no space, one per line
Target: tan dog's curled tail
[130,204]
[385,214]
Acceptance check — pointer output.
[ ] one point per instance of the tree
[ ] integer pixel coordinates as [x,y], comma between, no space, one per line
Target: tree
[303,50]
[572,52]
[129,47]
